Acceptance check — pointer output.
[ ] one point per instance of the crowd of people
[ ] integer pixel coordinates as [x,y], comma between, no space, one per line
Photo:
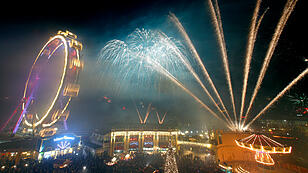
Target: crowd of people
[197,165]
[139,163]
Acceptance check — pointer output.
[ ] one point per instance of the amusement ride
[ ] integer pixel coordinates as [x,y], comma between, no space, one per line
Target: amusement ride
[51,84]
[263,146]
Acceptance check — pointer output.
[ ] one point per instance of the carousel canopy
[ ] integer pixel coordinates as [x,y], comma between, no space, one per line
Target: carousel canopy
[262,143]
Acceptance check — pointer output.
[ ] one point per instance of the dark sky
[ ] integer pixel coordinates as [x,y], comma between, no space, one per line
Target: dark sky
[24,28]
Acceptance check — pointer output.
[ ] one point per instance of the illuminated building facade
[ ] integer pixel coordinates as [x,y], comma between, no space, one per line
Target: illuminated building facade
[149,141]
[19,148]
[228,151]
[60,144]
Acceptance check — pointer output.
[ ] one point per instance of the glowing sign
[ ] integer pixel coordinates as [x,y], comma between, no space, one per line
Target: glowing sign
[148,144]
[133,143]
[64,138]
[64,145]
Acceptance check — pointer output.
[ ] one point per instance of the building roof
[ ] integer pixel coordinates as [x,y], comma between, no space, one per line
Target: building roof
[92,145]
[20,145]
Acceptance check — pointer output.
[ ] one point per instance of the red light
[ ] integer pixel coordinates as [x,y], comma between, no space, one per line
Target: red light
[74,53]
[123,107]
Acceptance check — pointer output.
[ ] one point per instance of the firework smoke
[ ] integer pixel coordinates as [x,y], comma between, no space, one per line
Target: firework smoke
[147,51]
[180,27]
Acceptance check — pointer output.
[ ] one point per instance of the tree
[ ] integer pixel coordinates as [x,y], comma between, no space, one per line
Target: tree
[170,163]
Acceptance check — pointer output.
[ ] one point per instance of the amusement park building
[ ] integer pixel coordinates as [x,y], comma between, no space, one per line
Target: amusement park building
[150,141]
[59,144]
[19,148]
[228,151]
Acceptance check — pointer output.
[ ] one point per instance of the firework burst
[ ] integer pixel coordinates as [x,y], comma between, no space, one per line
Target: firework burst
[132,58]
[146,55]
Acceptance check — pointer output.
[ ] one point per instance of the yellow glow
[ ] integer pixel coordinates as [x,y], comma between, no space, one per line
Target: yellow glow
[241,170]
[264,158]
[262,155]
[225,167]
[283,150]
[71,90]
[61,82]
[67,34]
[195,143]
[122,133]
[66,105]
[44,132]
[75,44]
[64,109]
[75,63]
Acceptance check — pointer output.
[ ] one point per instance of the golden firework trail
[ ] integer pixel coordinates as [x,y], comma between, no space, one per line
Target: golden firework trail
[192,71]
[147,114]
[220,23]
[299,77]
[180,27]
[219,32]
[163,71]
[248,67]
[279,28]
[161,121]
[141,54]
[141,121]
[249,50]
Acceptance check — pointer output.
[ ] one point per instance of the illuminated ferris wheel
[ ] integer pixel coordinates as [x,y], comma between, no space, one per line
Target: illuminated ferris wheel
[52,82]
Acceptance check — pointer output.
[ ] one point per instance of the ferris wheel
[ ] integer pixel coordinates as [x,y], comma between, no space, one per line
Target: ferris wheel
[52,82]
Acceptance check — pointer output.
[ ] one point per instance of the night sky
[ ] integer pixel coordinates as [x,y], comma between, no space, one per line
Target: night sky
[24,29]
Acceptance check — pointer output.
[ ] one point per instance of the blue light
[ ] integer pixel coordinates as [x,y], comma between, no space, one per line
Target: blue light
[64,138]
[64,145]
